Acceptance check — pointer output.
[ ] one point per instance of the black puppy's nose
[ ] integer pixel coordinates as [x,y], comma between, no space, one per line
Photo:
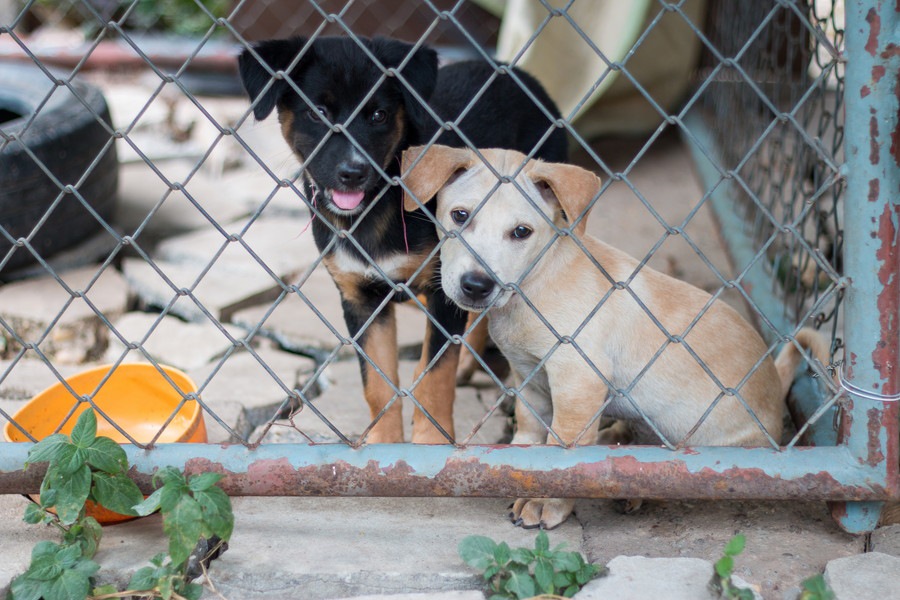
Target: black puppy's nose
[351,174]
[476,286]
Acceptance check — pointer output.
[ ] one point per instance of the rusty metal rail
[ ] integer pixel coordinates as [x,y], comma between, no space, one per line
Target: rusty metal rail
[830,473]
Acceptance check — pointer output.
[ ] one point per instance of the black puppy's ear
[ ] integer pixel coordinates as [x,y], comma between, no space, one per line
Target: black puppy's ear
[278,55]
[420,72]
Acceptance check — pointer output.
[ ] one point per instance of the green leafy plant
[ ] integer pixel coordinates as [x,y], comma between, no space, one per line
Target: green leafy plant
[724,568]
[193,511]
[524,573]
[83,468]
[815,588]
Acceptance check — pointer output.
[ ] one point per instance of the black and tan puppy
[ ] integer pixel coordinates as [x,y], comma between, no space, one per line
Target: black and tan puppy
[348,116]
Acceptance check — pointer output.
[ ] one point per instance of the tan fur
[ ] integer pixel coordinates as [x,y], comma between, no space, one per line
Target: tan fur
[380,345]
[791,357]
[438,384]
[477,340]
[620,338]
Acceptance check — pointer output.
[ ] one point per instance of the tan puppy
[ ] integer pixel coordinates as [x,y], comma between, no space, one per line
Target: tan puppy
[587,319]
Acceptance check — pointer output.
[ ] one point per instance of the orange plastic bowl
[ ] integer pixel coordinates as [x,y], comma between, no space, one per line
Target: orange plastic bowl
[136,396]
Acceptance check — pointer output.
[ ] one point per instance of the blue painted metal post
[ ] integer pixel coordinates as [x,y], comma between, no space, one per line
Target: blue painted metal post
[871,253]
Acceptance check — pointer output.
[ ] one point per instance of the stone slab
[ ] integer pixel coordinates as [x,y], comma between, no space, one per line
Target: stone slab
[641,578]
[234,417]
[147,201]
[243,379]
[18,538]
[219,293]
[870,575]
[170,340]
[27,377]
[886,540]
[787,542]
[281,244]
[314,548]
[78,333]
[293,324]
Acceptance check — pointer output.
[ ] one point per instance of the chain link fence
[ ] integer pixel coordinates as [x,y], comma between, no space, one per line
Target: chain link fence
[208,262]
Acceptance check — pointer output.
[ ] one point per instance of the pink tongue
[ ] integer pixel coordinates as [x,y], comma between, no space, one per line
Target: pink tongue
[346,200]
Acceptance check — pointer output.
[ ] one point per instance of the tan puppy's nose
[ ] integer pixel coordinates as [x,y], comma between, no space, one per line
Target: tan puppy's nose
[476,286]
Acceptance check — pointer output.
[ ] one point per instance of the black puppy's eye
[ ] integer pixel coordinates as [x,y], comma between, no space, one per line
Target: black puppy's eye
[521,232]
[379,116]
[317,113]
[459,216]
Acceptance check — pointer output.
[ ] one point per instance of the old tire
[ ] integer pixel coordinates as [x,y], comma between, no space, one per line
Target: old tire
[65,134]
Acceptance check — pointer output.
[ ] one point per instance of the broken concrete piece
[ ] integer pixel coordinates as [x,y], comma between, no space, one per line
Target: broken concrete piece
[870,575]
[217,293]
[27,377]
[74,318]
[280,244]
[260,390]
[292,322]
[640,578]
[169,340]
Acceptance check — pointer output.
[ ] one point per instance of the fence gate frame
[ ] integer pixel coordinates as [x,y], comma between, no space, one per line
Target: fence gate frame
[858,474]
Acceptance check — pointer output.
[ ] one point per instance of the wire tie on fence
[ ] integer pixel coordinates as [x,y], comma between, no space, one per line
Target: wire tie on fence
[866,394]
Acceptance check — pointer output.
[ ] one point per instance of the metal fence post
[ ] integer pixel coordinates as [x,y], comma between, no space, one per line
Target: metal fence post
[872,257]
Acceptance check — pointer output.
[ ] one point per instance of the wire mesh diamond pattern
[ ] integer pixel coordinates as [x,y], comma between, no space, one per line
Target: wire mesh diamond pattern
[227,249]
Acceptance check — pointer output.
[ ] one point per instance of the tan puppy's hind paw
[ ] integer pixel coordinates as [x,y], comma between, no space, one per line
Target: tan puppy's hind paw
[616,434]
[546,513]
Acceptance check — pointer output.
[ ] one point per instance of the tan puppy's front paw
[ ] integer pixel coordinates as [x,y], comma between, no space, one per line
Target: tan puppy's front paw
[545,513]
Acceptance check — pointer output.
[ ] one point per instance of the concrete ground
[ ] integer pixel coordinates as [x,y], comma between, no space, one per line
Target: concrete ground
[329,548]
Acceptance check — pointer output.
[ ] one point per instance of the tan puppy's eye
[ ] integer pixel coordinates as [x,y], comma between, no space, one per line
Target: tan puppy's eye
[521,232]
[459,216]
[379,116]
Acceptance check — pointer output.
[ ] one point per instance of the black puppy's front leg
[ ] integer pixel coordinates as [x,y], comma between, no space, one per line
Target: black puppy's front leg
[378,342]
[437,390]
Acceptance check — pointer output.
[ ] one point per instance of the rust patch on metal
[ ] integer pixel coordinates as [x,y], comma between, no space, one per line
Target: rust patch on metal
[874,189]
[846,422]
[24,481]
[885,355]
[875,455]
[878,72]
[874,21]
[850,364]
[874,146]
[865,91]
[890,51]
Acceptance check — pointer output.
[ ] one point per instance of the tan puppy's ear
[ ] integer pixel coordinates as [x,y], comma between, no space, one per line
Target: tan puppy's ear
[572,187]
[432,172]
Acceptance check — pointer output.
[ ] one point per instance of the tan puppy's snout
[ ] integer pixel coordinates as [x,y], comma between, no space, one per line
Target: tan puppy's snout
[476,286]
